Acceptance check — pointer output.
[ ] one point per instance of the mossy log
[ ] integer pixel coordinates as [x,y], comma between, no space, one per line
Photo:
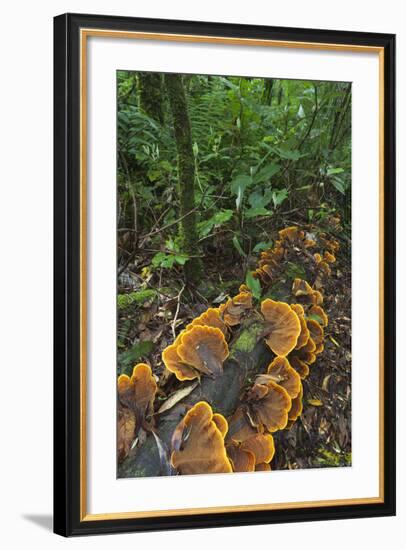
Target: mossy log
[248,355]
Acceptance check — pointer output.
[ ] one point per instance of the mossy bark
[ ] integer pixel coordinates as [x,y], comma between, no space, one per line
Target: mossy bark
[248,355]
[150,89]
[186,174]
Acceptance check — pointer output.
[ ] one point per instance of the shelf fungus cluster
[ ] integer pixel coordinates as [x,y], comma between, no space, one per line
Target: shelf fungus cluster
[291,240]
[198,442]
[205,441]
[198,350]
[136,395]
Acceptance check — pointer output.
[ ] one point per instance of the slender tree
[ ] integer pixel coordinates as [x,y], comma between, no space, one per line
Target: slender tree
[150,95]
[186,173]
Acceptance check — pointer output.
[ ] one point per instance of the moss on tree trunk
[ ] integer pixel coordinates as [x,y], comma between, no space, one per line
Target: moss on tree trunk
[186,173]
[150,94]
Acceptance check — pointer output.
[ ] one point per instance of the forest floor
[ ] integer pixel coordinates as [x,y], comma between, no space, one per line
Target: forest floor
[154,306]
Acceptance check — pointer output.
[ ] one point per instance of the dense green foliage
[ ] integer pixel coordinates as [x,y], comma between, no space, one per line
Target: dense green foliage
[261,149]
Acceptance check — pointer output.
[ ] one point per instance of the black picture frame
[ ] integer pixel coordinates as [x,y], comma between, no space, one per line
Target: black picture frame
[67,381]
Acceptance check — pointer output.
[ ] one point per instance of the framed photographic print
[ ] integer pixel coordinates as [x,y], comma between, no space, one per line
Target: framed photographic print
[224,274]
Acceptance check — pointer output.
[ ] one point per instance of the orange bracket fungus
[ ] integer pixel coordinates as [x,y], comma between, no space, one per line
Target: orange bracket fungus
[263,468]
[297,406]
[282,326]
[317,258]
[235,308]
[307,353]
[281,372]
[269,405]
[246,447]
[125,431]
[198,443]
[173,362]
[242,460]
[316,334]
[210,318]
[330,258]
[300,366]
[291,234]
[302,289]
[319,313]
[136,405]
[138,392]
[199,350]
[304,331]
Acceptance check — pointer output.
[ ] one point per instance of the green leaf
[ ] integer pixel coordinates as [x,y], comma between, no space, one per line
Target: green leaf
[256,199]
[254,285]
[238,186]
[181,259]
[340,185]
[266,173]
[255,212]
[167,261]
[238,246]
[290,155]
[262,246]
[221,217]
[240,182]
[279,196]
[332,171]
[315,317]
[128,358]
[158,259]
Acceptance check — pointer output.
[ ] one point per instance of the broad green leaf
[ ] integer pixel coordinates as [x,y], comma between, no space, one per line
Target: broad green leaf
[158,259]
[218,219]
[240,182]
[128,358]
[238,186]
[256,199]
[332,171]
[254,285]
[181,259]
[168,262]
[314,317]
[262,246]
[266,173]
[290,155]
[340,185]
[255,212]
[279,196]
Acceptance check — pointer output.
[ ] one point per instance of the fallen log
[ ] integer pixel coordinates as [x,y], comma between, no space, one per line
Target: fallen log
[248,355]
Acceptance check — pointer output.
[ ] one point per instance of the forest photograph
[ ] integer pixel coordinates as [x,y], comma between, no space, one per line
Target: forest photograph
[233,274]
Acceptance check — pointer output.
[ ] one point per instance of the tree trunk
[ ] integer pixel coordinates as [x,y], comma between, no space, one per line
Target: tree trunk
[150,94]
[248,355]
[186,173]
